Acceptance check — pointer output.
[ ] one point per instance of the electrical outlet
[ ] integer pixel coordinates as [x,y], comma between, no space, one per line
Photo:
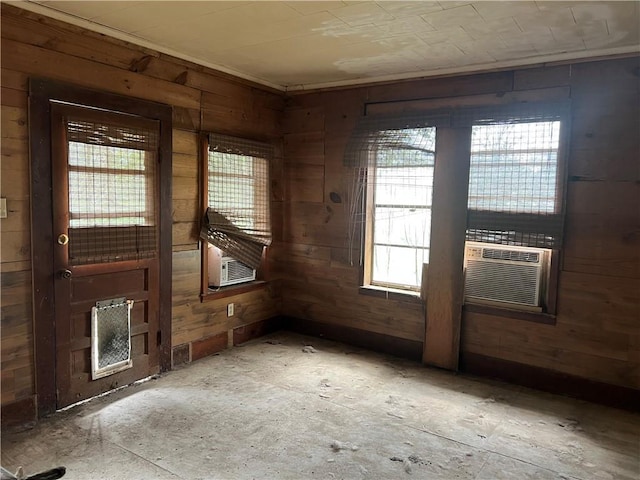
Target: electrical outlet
[3,208]
[230,308]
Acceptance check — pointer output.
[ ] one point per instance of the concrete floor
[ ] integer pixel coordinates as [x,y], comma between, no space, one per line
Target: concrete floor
[270,410]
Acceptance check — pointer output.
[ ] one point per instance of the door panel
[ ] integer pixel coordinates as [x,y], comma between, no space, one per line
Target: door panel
[74,376]
[105,193]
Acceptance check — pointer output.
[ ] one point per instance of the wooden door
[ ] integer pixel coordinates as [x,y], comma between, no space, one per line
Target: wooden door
[106,247]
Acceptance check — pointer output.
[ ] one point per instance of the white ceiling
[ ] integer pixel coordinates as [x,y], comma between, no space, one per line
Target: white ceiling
[308,44]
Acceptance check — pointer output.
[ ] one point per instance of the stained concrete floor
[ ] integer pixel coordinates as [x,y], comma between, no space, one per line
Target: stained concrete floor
[269,410]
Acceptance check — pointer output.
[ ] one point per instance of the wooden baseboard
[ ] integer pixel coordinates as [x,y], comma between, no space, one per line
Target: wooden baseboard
[551,381]
[204,347]
[208,346]
[180,355]
[19,414]
[400,347]
[258,329]
[512,372]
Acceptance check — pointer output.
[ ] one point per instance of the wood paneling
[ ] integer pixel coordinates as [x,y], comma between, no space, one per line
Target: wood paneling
[448,225]
[193,320]
[186,211]
[15,248]
[443,87]
[362,338]
[551,381]
[501,98]
[35,46]
[32,29]
[316,271]
[533,78]
[604,356]
[596,334]
[208,346]
[17,340]
[47,63]
[252,116]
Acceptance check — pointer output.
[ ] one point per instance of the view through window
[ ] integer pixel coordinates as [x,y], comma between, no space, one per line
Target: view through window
[236,198]
[108,187]
[401,212]
[514,167]
[237,190]
[514,184]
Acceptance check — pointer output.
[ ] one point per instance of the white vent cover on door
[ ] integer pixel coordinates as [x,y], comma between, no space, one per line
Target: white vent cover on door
[504,275]
[110,337]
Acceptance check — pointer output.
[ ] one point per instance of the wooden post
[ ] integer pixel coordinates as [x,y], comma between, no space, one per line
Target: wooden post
[448,225]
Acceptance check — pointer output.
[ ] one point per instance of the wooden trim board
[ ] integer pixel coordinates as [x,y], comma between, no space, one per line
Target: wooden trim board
[448,228]
[257,329]
[378,342]
[20,414]
[516,373]
[551,381]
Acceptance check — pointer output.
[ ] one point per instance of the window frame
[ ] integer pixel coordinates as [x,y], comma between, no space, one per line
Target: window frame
[262,274]
[368,285]
[552,278]
[43,94]
[67,113]
[370,243]
[440,111]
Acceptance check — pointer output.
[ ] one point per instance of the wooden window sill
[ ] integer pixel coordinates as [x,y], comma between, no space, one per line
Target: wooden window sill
[536,317]
[231,290]
[390,293]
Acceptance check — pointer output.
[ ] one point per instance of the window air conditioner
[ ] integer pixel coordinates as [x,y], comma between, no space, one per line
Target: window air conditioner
[224,271]
[504,275]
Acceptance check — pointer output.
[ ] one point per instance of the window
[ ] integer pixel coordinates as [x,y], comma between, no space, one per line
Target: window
[238,190]
[236,223]
[390,203]
[514,167]
[514,184]
[109,186]
[515,201]
[399,193]
[515,194]
[111,180]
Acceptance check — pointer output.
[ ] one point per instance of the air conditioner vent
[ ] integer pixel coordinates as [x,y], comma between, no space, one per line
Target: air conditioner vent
[224,271]
[238,271]
[512,255]
[502,282]
[510,276]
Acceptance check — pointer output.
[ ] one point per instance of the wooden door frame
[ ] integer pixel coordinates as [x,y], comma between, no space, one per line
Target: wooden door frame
[41,93]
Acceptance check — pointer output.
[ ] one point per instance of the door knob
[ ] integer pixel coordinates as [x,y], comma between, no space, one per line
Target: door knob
[65,273]
[63,239]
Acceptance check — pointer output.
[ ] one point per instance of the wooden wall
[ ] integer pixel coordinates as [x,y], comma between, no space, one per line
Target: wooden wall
[202,99]
[596,335]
